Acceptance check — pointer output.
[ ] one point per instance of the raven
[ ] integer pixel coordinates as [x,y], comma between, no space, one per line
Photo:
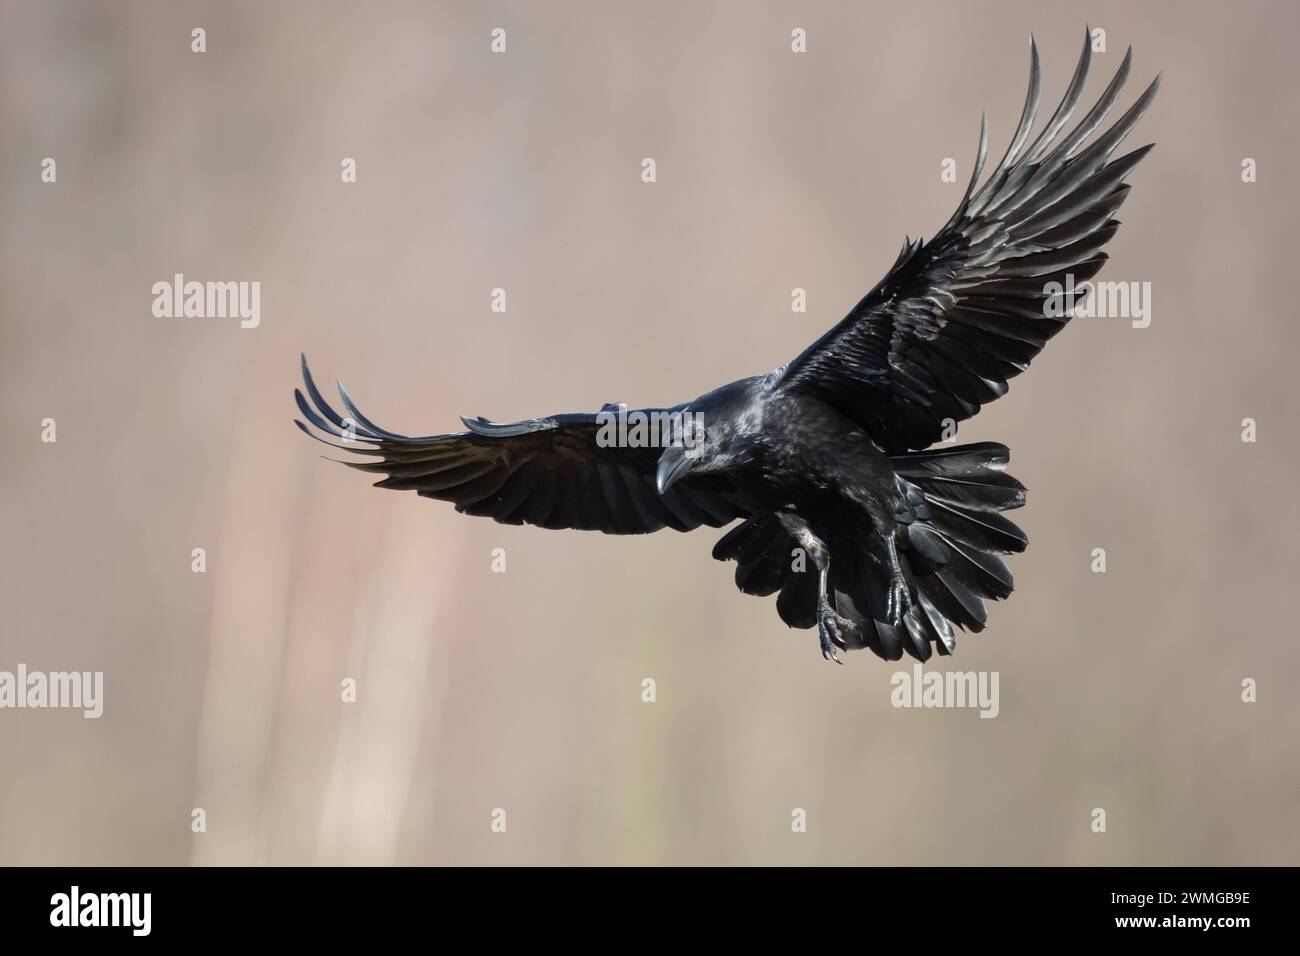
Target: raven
[827,459]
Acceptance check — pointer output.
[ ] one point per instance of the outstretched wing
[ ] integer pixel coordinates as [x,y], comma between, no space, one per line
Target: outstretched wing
[550,472]
[956,318]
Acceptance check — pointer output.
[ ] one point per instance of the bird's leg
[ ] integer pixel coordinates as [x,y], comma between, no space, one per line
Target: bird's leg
[831,625]
[898,599]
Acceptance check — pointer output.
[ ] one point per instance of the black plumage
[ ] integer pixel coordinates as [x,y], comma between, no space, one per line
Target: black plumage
[844,513]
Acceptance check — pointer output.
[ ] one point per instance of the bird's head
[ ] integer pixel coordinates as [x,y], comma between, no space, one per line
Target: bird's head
[684,441]
[703,434]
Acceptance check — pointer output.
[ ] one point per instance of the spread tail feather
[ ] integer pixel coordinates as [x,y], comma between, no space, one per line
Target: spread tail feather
[949,551]
[954,545]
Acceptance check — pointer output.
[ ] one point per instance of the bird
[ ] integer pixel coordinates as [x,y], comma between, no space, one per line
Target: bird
[847,500]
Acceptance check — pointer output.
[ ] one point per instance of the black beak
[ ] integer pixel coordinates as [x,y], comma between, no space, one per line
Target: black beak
[673,464]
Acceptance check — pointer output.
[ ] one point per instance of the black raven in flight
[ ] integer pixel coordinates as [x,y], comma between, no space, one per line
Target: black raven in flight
[865,531]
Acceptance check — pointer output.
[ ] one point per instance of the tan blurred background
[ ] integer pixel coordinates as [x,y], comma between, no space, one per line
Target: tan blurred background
[522,690]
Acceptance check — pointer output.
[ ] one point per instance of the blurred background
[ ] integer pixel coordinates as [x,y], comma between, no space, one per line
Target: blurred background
[522,690]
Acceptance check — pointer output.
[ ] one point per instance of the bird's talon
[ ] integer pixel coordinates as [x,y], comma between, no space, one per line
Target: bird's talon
[831,628]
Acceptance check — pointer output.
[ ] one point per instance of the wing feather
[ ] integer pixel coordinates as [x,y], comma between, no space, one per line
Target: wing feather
[956,318]
[551,472]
